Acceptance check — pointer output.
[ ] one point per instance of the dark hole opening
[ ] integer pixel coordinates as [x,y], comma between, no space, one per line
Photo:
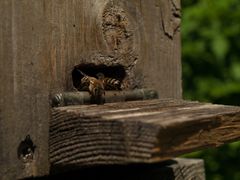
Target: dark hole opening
[116,72]
[26,149]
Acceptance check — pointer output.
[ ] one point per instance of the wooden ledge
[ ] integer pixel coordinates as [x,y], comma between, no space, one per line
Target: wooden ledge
[138,131]
[177,168]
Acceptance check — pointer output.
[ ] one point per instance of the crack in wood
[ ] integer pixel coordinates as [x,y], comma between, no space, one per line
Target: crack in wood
[171,17]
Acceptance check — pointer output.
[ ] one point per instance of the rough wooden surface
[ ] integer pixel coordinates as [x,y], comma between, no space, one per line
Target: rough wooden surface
[24,89]
[54,36]
[41,42]
[174,169]
[137,132]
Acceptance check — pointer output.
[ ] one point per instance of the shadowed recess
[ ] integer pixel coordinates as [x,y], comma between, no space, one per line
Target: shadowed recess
[116,72]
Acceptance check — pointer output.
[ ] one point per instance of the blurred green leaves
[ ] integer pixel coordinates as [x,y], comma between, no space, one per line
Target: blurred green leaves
[211,50]
[211,70]
[221,163]
[220,46]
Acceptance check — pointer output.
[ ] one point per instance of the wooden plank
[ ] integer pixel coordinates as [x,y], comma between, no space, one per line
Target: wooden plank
[178,169]
[161,51]
[138,132]
[24,90]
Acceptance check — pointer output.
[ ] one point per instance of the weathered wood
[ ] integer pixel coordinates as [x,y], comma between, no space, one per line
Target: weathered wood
[140,131]
[55,36]
[41,42]
[175,169]
[83,97]
[24,89]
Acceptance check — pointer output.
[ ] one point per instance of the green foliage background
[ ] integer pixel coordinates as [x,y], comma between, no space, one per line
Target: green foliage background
[211,70]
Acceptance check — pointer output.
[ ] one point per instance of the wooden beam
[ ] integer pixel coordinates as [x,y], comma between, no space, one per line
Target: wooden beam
[175,169]
[138,132]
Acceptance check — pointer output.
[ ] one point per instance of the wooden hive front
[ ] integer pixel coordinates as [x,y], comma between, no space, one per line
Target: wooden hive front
[42,42]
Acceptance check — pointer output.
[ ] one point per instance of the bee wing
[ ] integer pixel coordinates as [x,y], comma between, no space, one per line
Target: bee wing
[82,72]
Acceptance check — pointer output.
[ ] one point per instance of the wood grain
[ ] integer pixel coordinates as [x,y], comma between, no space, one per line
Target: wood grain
[24,90]
[138,132]
[41,42]
[177,169]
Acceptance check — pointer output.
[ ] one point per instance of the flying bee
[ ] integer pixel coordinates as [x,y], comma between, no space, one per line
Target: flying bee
[95,87]
[109,83]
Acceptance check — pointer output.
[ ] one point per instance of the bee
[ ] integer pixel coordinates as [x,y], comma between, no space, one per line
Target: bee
[109,83]
[95,88]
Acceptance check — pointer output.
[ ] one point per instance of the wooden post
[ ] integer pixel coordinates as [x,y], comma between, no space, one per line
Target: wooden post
[42,41]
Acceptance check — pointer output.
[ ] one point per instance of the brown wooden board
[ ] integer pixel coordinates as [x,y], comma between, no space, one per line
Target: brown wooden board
[174,169]
[41,42]
[138,131]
